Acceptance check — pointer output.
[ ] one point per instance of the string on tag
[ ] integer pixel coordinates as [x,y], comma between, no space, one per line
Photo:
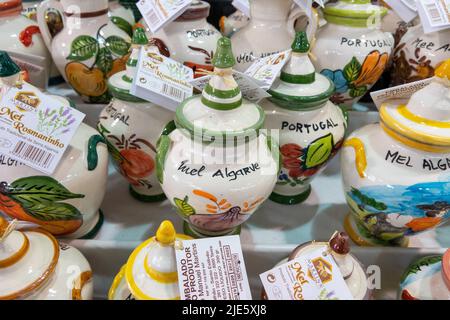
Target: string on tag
[218,72]
[178,245]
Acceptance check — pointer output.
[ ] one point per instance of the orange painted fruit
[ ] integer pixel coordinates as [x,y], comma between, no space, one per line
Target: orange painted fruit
[137,165]
[87,82]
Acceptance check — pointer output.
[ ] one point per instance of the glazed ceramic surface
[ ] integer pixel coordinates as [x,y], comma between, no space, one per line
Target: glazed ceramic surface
[233,23]
[122,17]
[351,51]
[427,278]
[396,173]
[89,49]
[34,266]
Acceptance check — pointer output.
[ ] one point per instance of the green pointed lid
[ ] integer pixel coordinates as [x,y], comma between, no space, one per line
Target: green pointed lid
[301,43]
[223,58]
[7,66]
[139,37]
[354,13]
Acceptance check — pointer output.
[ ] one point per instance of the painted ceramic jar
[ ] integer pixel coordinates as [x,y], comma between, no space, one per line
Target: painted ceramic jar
[427,278]
[122,16]
[351,269]
[131,127]
[89,49]
[311,127]
[190,39]
[418,54]
[351,49]
[395,173]
[66,203]
[271,30]
[216,168]
[151,270]
[22,39]
[34,266]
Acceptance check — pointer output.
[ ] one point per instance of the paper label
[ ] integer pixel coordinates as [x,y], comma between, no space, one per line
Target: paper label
[35,128]
[243,6]
[159,13]
[405,12]
[212,269]
[434,14]
[161,80]
[410,4]
[267,69]
[404,91]
[314,276]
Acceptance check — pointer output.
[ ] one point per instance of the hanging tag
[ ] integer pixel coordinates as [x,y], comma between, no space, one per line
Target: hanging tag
[35,128]
[212,269]
[243,6]
[159,13]
[321,2]
[434,14]
[161,80]
[404,11]
[410,4]
[306,5]
[267,69]
[313,276]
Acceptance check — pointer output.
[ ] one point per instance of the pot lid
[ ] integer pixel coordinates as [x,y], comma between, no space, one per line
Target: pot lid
[8,67]
[27,260]
[196,10]
[425,118]
[220,110]
[352,12]
[151,270]
[299,85]
[446,268]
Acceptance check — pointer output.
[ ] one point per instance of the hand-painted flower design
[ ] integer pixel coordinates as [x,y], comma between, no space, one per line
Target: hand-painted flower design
[137,165]
[338,79]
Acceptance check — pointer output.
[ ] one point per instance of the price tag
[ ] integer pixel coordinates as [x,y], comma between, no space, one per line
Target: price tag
[243,6]
[159,13]
[35,128]
[306,5]
[404,11]
[267,69]
[314,276]
[212,269]
[161,80]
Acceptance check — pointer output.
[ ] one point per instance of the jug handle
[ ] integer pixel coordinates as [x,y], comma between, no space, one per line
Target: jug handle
[40,15]
[360,155]
[313,22]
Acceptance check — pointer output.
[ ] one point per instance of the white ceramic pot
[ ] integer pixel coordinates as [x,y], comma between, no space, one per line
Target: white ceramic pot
[271,30]
[395,173]
[34,266]
[89,48]
[353,52]
[311,128]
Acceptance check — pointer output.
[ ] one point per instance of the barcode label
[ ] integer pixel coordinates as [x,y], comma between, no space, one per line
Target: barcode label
[152,17]
[173,92]
[35,155]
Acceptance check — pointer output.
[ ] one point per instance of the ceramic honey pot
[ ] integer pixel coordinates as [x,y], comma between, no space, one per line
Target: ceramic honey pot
[395,173]
[427,278]
[311,127]
[351,49]
[216,168]
[89,48]
[34,266]
[67,202]
[270,30]
[151,270]
[131,127]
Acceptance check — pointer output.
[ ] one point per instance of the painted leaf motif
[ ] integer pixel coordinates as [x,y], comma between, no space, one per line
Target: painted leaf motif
[54,212]
[352,70]
[162,146]
[104,60]
[83,48]
[357,92]
[184,207]
[117,45]
[319,151]
[123,25]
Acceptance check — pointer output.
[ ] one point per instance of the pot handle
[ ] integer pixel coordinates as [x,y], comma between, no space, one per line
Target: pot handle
[360,155]
[42,21]
[313,22]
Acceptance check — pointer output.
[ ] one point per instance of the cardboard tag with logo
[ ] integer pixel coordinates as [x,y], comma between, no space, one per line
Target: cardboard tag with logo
[434,15]
[313,276]
[161,80]
[267,69]
[159,13]
[212,269]
[243,6]
[35,128]
[405,12]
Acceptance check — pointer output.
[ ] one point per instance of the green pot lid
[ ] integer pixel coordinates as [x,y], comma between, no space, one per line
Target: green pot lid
[355,9]
[300,86]
[8,67]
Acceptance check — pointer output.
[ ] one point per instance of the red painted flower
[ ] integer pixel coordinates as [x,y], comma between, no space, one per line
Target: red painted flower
[291,150]
[292,163]
[137,165]
[26,36]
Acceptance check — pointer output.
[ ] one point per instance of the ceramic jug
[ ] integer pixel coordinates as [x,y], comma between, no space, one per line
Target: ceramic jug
[67,202]
[271,30]
[427,278]
[395,173]
[351,49]
[89,49]
[131,127]
[311,127]
[151,270]
[34,266]
[216,168]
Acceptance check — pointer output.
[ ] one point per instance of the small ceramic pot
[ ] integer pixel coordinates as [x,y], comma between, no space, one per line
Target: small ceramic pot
[216,168]
[427,278]
[271,30]
[131,127]
[395,173]
[34,266]
[89,49]
[418,54]
[190,39]
[67,202]
[121,16]
[311,127]
[351,49]
[151,270]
